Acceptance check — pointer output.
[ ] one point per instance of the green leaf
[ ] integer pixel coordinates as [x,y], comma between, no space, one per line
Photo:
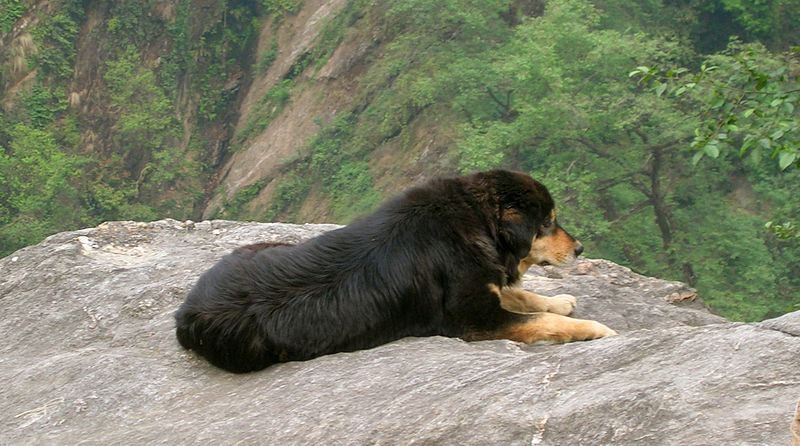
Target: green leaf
[748,143]
[660,88]
[711,150]
[748,112]
[755,155]
[785,159]
[697,157]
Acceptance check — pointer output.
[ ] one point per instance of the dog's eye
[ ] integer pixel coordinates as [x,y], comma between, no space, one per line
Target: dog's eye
[547,223]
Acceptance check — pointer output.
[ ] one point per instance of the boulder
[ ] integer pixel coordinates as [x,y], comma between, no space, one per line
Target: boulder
[88,355]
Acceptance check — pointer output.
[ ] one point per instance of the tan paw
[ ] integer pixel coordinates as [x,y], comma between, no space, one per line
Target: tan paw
[598,330]
[562,304]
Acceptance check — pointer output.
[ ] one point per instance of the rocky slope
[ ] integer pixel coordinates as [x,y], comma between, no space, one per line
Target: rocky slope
[247,84]
[323,89]
[88,356]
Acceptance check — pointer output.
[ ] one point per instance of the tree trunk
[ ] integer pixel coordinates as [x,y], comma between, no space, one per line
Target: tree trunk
[663,216]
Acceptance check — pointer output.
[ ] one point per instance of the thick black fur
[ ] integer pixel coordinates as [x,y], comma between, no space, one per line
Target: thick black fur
[420,265]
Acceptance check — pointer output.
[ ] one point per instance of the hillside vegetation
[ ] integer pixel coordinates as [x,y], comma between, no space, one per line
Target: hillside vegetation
[667,130]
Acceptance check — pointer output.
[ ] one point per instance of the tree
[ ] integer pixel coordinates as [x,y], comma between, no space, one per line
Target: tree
[744,99]
[37,195]
[555,99]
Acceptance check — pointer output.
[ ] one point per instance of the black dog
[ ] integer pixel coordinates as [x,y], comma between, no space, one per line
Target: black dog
[439,259]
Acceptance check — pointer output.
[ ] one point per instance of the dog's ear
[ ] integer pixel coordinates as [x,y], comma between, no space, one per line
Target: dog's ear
[516,232]
[522,204]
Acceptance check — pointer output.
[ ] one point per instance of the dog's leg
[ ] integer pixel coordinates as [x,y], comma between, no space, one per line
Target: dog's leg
[552,327]
[518,300]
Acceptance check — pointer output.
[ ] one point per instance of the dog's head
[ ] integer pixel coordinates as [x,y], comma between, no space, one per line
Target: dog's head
[551,245]
[527,223]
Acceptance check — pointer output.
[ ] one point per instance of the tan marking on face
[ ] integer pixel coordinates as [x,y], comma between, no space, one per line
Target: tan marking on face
[511,215]
[555,248]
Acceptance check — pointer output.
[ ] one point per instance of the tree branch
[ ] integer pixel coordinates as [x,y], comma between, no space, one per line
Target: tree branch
[505,107]
[644,204]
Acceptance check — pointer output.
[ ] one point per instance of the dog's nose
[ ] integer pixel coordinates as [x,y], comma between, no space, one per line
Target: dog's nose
[578,250]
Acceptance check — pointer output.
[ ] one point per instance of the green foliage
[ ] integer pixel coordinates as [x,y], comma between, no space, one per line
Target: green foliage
[334,30]
[280,8]
[552,98]
[145,113]
[180,59]
[144,136]
[267,57]
[117,200]
[234,207]
[55,37]
[269,106]
[211,61]
[37,194]
[784,231]
[138,171]
[126,21]
[329,148]
[290,192]
[41,106]
[766,18]
[352,190]
[745,99]
[337,163]
[345,177]
[10,12]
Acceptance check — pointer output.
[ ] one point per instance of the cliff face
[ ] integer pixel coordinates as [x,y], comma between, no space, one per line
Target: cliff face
[218,104]
[320,58]
[88,355]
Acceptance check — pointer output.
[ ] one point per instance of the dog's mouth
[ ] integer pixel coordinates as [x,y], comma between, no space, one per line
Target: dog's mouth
[557,261]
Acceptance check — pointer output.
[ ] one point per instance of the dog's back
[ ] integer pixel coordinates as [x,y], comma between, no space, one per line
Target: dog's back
[342,291]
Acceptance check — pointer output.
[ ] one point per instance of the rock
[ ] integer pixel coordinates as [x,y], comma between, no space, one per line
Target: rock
[796,427]
[88,355]
[788,323]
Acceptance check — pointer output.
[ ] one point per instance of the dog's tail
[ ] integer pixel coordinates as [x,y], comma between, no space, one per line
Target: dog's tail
[227,338]
[219,321]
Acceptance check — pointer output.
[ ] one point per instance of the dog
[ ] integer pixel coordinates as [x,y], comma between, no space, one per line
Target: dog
[444,258]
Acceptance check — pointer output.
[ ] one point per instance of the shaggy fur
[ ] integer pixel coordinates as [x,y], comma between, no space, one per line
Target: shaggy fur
[439,259]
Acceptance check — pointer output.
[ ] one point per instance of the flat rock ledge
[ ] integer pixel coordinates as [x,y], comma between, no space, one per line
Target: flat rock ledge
[89,357]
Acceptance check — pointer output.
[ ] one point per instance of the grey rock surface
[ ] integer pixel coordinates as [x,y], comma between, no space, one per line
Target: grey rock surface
[88,356]
[788,323]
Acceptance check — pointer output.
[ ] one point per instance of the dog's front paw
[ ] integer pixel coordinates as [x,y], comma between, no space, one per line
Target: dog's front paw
[597,330]
[562,304]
